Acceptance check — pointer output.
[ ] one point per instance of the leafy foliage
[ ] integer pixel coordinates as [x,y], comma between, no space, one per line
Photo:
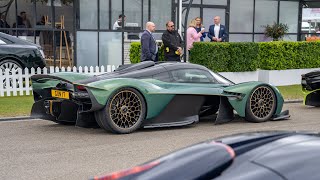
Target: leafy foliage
[289,55]
[135,52]
[248,56]
[222,57]
[276,31]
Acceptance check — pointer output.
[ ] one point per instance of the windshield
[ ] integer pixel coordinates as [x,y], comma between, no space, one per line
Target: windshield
[221,79]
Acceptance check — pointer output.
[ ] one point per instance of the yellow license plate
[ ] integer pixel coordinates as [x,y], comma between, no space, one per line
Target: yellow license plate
[60,94]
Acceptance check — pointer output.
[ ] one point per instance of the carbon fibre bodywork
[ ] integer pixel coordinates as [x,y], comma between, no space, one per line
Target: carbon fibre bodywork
[311,88]
[168,103]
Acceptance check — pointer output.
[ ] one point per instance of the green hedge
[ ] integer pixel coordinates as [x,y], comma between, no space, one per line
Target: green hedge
[289,55]
[233,57]
[249,56]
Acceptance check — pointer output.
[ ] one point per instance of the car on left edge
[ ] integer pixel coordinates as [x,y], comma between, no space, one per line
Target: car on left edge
[18,53]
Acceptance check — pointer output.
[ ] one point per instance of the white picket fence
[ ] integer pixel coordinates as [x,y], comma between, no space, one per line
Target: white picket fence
[18,84]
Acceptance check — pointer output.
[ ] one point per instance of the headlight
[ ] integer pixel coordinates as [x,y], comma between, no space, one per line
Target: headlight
[42,53]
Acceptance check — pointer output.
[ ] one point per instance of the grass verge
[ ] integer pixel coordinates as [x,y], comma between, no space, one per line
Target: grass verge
[292,92]
[14,106]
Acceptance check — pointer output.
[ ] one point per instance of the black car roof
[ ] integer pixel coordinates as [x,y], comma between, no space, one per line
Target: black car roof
[274,153]
[16,40]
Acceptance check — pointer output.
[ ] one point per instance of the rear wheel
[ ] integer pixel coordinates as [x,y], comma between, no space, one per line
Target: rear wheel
[123,113]
[261,105]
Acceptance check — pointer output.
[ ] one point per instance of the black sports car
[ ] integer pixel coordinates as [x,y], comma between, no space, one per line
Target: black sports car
[311,88]
[248,156]
[17,53]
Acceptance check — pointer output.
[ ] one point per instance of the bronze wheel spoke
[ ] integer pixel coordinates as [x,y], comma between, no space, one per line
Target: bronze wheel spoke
[125,109]
[261,102]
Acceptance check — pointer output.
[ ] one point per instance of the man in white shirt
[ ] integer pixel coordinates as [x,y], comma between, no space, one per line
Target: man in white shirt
[217,32]
[118,24]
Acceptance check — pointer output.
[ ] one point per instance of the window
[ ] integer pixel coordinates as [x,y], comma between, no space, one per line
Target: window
[240,10]
[161,13]
[266,12]
[163,76]
[88,14]
[191,76]
[2,42]
[5,41]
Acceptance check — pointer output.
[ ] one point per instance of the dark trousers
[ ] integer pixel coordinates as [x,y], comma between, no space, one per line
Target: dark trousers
[156,59]
[173,58]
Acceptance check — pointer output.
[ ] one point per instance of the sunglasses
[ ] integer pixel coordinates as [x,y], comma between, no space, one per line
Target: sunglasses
[171,26]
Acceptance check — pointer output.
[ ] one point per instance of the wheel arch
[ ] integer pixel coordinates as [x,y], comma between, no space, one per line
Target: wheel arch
[13,58]
[240,105]
[103,89]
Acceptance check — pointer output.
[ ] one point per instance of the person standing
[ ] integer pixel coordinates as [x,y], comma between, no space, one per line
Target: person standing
[199,28]
[149,48]
[172,43]
[118,24]
[193,35]
[217,31]
[25,20]
[4,24]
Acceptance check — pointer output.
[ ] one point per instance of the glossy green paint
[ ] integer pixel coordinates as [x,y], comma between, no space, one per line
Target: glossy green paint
[157,93]
[43,85]
[49,82]
[71,76]
[245,89]
[103,89]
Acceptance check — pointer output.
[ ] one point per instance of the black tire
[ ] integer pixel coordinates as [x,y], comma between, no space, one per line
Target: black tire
[124,112]
[261,104]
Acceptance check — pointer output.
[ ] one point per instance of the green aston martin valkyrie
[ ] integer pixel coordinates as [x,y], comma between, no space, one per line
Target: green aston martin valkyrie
[150,95]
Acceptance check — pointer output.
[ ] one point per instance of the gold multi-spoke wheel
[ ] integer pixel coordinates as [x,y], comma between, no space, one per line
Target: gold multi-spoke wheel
[124,111]
[261,105]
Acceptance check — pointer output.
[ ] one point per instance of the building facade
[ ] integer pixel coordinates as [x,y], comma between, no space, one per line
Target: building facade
[84,29]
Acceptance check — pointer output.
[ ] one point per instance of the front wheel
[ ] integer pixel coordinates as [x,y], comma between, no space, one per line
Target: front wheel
[124,112]
[13,67]
[261,104]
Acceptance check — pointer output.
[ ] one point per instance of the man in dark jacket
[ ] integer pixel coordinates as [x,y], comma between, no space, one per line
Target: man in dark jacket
[149,48]
[172,43]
